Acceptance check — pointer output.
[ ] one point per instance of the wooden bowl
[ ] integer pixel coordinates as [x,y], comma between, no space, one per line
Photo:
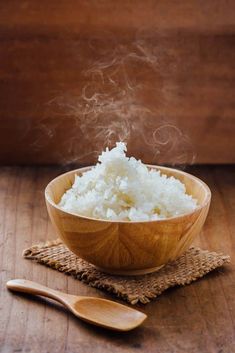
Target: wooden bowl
[122,247]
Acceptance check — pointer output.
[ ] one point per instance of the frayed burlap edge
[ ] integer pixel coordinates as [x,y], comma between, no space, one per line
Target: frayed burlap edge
[192,265]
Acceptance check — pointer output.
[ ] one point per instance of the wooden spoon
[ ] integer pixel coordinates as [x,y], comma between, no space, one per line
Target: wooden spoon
[100,312]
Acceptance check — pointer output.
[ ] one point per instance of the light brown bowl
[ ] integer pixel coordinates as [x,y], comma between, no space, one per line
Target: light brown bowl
[123,247]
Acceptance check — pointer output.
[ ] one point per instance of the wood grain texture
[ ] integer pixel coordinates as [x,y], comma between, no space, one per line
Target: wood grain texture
[161,62]
[100,312]
[128,248]
[197,318]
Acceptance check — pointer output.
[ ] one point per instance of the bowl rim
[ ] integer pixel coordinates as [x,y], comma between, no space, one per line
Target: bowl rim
[164,220]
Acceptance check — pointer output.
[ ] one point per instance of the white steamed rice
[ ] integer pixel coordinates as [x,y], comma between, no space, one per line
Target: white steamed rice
[122,188]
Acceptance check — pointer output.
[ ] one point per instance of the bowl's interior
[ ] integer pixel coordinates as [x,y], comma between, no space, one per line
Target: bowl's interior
[194,186]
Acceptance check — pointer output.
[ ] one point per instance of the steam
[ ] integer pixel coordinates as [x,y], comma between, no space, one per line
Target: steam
[113,107]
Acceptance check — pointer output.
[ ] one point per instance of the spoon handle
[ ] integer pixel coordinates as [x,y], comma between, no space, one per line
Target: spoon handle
[25,286]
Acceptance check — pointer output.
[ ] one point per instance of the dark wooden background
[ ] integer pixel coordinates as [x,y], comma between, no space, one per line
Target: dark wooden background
[78,75]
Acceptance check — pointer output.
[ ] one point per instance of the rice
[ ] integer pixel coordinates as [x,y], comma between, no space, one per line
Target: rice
[122,188]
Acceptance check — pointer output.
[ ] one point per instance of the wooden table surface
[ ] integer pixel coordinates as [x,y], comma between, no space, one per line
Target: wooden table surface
[195,319]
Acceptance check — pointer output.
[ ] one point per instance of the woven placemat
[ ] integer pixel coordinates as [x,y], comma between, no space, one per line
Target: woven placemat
[193,264]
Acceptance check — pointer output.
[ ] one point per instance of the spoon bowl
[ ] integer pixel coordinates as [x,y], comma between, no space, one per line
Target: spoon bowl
[108,314]
[97,311]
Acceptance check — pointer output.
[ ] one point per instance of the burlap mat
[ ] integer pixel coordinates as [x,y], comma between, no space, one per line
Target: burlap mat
[193,264]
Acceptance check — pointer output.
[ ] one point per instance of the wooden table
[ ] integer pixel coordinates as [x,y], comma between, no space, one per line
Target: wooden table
[197,318]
